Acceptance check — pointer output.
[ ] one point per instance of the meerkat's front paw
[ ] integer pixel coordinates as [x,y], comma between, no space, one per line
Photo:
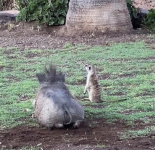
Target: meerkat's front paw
[85,91]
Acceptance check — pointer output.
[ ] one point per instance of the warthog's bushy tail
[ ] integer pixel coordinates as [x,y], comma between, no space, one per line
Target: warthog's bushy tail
[50,75]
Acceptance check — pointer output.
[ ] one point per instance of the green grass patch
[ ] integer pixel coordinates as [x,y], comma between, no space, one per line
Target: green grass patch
[126,73]
[138,133]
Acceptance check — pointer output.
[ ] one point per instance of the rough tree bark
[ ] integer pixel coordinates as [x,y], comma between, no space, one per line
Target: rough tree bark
[7,4]
[98,15]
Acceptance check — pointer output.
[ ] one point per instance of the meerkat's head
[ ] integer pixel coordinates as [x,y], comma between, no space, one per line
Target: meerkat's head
[90,69]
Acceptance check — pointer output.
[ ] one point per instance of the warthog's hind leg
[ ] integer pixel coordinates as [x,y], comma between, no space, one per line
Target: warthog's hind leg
[59,125]
[77,124]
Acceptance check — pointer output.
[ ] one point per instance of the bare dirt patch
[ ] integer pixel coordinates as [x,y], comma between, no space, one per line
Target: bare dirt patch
[28,36]
[96,135]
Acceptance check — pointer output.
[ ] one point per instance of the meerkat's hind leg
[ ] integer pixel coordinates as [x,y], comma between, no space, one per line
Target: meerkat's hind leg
[91,95]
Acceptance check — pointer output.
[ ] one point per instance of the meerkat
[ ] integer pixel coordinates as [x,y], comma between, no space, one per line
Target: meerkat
[92,84]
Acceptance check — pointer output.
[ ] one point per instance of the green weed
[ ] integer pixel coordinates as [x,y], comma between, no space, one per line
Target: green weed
[138,133]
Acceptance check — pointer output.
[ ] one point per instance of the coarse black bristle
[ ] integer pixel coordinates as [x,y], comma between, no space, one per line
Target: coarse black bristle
[51,75]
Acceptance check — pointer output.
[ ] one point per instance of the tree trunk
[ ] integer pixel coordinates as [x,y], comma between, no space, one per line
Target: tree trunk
[98,15]
[7,4]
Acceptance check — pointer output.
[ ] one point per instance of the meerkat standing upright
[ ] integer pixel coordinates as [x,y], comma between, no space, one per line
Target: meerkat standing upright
[92,84]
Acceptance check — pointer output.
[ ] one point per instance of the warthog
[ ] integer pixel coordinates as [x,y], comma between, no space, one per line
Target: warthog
[54,104]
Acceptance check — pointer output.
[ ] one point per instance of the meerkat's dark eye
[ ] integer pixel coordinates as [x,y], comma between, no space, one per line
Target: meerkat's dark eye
[89,68]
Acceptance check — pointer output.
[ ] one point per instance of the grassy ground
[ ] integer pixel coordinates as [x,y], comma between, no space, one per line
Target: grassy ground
[126,73]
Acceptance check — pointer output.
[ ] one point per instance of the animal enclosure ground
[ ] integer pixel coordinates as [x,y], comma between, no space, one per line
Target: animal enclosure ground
[102,136]
[125,65]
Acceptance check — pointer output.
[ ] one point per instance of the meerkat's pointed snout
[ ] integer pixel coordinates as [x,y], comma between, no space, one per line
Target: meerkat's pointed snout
[85,65]
[89,68]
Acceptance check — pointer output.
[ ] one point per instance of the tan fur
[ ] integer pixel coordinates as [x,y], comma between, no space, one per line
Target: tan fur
[92,84]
